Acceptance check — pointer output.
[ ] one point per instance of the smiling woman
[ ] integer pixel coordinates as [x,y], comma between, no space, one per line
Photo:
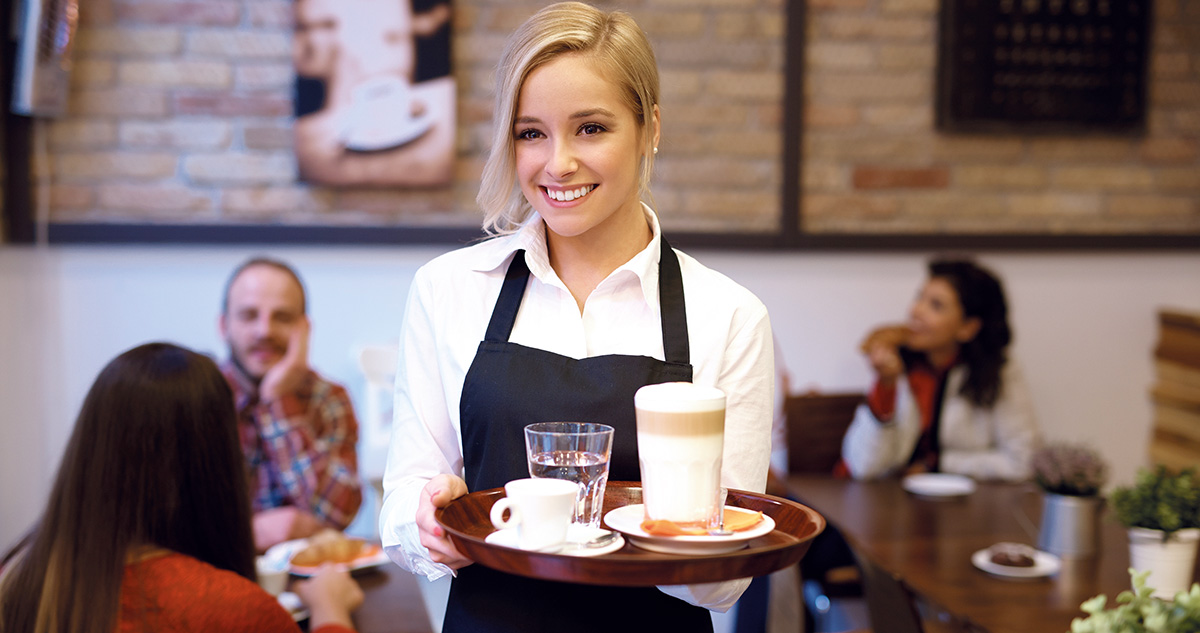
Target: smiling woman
[575,303]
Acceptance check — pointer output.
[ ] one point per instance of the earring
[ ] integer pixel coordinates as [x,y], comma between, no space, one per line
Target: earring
[655,150]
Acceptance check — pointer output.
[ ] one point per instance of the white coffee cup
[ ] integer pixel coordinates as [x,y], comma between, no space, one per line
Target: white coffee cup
[680,436]
[539,509]
[272,574]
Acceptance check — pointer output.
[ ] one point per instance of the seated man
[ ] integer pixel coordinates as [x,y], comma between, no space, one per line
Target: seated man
[298,431]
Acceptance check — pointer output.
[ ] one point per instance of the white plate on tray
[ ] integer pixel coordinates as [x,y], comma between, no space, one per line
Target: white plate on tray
[284,551]
[628,521]
[939,485]
[1044,564]
[575,534]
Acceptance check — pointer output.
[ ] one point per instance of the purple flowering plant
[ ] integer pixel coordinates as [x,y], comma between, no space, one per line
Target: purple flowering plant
[1069,469]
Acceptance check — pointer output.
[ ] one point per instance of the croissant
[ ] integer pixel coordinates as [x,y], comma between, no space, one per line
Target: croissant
[890,335]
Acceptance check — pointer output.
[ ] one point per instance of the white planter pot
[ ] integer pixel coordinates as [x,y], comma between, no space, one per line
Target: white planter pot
[1069,525]
[1170,563]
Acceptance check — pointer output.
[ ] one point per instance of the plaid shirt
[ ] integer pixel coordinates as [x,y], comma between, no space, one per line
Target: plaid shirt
[300,450]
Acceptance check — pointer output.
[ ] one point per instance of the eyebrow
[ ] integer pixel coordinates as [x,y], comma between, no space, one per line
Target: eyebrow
[582,114]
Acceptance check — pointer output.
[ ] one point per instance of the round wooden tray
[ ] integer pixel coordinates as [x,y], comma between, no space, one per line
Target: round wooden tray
[467,522]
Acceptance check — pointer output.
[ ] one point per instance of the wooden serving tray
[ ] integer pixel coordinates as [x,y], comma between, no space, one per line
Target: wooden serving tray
[467,521]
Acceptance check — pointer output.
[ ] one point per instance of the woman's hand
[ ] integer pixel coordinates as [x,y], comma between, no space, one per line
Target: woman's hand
[885,360]
[438,493]
[330,595]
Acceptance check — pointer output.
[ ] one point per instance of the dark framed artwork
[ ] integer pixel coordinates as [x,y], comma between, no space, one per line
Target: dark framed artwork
[1043,65]
[992,124]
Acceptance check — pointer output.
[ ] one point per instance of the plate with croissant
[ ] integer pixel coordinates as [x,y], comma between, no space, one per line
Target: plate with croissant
[305,556]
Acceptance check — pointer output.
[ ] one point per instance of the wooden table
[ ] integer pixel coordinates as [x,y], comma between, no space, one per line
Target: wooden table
[391,602]
[928,543]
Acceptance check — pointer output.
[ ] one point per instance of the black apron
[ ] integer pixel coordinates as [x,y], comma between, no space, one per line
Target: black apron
[510,386]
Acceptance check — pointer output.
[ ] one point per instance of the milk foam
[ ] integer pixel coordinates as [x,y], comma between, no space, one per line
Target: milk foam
[679,397]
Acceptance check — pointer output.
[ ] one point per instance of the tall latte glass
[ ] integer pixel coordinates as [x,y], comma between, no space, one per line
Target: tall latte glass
[680,436]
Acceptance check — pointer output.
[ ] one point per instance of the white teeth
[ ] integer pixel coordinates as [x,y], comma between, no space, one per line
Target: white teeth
[573,194]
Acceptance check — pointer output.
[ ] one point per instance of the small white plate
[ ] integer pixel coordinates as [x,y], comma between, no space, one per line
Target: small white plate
[287,549]
[294,605]
[628,521]
[575,534]
[1044,564]
[939,485]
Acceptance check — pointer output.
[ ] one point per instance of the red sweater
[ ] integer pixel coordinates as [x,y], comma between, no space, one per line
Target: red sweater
[179,594]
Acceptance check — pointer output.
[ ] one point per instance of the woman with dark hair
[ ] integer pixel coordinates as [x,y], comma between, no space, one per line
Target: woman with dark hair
[148,523]
[946,397]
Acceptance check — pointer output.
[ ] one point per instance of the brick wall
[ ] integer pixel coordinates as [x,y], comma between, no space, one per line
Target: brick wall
[180,112]
[873,161]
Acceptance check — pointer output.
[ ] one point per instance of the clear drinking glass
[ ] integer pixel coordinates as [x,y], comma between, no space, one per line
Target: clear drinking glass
[575,451]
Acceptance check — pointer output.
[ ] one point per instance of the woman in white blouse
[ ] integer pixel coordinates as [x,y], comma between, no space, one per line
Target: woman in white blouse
[947,397]
[575,303]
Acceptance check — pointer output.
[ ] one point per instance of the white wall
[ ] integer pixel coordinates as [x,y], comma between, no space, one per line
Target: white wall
[1085,325]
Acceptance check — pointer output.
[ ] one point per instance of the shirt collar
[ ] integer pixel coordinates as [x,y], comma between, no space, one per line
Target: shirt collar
[245,390]
[531,237]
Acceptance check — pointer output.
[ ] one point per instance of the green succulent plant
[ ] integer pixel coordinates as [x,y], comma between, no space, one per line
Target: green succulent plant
[1138,611]
[1159,500]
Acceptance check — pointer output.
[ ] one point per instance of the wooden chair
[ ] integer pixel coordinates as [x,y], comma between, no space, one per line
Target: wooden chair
[816,423]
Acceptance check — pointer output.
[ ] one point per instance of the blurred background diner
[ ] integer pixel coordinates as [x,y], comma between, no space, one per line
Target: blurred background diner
[185,116]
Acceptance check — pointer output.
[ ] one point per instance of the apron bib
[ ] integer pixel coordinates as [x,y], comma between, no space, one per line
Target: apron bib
[509,386]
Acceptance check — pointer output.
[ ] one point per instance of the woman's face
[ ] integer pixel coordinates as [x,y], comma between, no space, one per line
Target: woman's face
[578,147]
[937,320]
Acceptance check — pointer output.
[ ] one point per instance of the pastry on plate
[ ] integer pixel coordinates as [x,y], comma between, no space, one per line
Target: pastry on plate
[1012,555]
[330,546]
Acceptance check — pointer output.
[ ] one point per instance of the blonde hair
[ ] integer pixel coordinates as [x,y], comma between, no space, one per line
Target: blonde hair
[621,49]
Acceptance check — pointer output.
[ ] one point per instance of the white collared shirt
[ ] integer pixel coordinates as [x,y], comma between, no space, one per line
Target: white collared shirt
[447,314]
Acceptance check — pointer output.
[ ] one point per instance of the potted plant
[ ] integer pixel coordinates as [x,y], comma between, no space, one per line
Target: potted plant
[1070,476]
[1161,510]
[1138,611]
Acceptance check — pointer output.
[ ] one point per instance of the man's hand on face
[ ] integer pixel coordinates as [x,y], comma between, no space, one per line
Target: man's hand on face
[284,523]
[286,376]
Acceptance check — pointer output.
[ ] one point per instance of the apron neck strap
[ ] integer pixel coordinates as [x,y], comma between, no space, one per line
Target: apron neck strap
[676,348]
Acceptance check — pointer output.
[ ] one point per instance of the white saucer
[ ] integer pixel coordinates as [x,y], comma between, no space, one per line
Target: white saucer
[294,605]
[375,137]
[628,521]
[1044,564]
[575,534]
[939,485]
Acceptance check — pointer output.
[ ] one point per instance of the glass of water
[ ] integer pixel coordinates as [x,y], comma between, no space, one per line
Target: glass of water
[575,451]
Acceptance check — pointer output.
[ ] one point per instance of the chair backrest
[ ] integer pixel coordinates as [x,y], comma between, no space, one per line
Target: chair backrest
[816,423]
[378,366]
[890,603]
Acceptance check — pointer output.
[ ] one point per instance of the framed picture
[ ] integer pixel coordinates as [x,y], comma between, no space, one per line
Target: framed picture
[281,128]
[1023,129]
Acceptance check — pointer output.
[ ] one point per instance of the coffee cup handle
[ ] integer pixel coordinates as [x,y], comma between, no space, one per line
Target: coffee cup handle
[514,514]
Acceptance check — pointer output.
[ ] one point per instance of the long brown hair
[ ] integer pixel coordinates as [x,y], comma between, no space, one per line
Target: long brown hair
[154,460]
[981,295]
